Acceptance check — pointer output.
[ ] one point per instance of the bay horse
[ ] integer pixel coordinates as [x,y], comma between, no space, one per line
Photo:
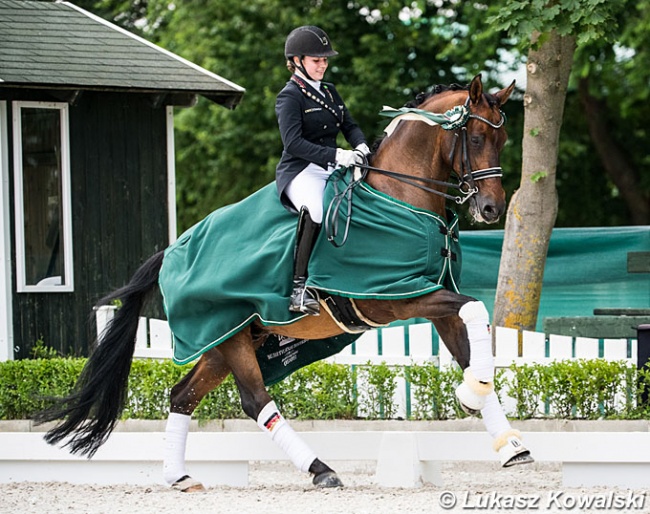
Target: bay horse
[412,165]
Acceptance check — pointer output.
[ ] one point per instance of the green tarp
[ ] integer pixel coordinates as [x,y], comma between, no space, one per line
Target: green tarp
[586,269]
[235,266]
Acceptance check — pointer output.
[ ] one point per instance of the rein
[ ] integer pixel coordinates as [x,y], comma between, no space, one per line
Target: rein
[454,119]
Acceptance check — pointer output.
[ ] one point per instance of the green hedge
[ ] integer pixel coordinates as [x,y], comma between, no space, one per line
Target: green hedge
[583,389]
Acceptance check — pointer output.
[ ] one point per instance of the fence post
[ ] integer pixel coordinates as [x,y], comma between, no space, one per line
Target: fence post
[398,464]
[643,355]
[103,315]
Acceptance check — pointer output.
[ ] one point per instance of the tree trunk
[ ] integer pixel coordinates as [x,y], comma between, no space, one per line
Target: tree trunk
[617,166]
[533,208]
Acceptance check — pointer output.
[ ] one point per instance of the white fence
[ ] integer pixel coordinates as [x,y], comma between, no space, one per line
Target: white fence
[418,343]
[403,458]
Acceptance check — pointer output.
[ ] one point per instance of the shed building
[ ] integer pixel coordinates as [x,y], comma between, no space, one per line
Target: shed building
[87,164]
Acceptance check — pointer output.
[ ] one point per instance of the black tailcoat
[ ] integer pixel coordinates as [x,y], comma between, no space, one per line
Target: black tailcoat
[309,123]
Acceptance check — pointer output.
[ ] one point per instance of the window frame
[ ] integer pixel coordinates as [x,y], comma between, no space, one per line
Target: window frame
[66,198]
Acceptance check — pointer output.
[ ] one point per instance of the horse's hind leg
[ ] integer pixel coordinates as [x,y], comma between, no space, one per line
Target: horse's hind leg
[471,330]
[239,354]
[207,374]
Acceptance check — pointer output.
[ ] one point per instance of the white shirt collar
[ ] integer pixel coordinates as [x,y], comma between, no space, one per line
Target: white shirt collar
[313,83]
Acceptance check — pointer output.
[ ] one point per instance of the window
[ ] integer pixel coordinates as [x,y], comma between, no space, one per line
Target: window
[42,197]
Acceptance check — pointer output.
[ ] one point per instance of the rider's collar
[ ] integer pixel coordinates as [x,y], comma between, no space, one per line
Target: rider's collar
[313,83]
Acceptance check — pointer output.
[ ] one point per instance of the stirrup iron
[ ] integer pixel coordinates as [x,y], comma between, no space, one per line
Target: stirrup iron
[304,299]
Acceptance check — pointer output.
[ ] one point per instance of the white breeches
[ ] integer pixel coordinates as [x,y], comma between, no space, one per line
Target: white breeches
[307,190]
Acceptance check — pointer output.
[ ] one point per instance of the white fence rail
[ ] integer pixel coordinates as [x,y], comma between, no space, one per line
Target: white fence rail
[403,458]
[418,343]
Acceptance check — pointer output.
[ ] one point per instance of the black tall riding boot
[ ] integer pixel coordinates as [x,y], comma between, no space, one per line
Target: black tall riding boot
[302,298]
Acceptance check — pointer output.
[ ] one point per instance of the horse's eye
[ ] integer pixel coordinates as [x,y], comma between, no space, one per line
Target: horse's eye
[476,140]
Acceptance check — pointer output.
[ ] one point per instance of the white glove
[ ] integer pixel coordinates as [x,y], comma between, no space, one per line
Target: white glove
[347,158]
[363,148]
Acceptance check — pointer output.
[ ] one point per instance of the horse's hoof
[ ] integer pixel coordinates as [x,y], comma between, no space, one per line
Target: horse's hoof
[468,410]
[521,458]
[470,401]
[187,484]
[327,479]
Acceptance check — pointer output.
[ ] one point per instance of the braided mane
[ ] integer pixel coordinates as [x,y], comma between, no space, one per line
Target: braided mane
[419,99]
[423,96]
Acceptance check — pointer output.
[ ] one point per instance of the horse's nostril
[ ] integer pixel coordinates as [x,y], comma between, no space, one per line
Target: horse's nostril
[490,212]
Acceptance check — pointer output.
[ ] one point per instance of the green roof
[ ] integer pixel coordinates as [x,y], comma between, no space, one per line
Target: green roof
[59,45]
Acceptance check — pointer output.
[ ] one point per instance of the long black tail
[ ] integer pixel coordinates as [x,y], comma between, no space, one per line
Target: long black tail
[93,407]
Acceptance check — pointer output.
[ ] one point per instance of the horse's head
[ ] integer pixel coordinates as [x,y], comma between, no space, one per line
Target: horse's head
[472,149]
[462,133]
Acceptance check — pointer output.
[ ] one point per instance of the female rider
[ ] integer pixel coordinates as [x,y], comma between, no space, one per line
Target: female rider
[310,115]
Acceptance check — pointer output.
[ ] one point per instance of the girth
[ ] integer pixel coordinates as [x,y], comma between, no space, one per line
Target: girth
[346,315]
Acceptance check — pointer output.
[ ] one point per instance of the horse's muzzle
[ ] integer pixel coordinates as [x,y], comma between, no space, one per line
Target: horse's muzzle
[486,210]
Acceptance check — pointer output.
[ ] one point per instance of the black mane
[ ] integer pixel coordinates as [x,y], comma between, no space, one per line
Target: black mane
[422,97]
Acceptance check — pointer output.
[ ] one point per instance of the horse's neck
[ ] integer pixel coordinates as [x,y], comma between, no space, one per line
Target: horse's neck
[412,150]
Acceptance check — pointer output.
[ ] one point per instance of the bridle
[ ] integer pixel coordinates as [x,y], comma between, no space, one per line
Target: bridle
[467,177]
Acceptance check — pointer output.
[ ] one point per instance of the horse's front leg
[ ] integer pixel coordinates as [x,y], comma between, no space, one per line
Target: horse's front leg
[464,326]
[239,354]
[467,335]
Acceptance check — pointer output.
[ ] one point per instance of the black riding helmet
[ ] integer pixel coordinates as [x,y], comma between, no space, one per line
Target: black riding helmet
[308,40]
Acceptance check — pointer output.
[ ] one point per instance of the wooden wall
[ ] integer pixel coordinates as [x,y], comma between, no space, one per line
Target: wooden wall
[119,204]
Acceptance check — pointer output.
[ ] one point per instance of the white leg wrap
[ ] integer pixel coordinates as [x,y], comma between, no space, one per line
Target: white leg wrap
[494,419]
[178,426]
[272,422]
[477,320]
[506,441]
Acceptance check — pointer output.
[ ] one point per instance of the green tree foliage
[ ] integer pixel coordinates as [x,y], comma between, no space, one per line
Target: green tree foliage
[602,176]
[610,81]
[388,52]
[551,31]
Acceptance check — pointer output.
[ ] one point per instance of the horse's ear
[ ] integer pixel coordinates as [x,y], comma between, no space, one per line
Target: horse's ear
[504,94]
[476,89]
